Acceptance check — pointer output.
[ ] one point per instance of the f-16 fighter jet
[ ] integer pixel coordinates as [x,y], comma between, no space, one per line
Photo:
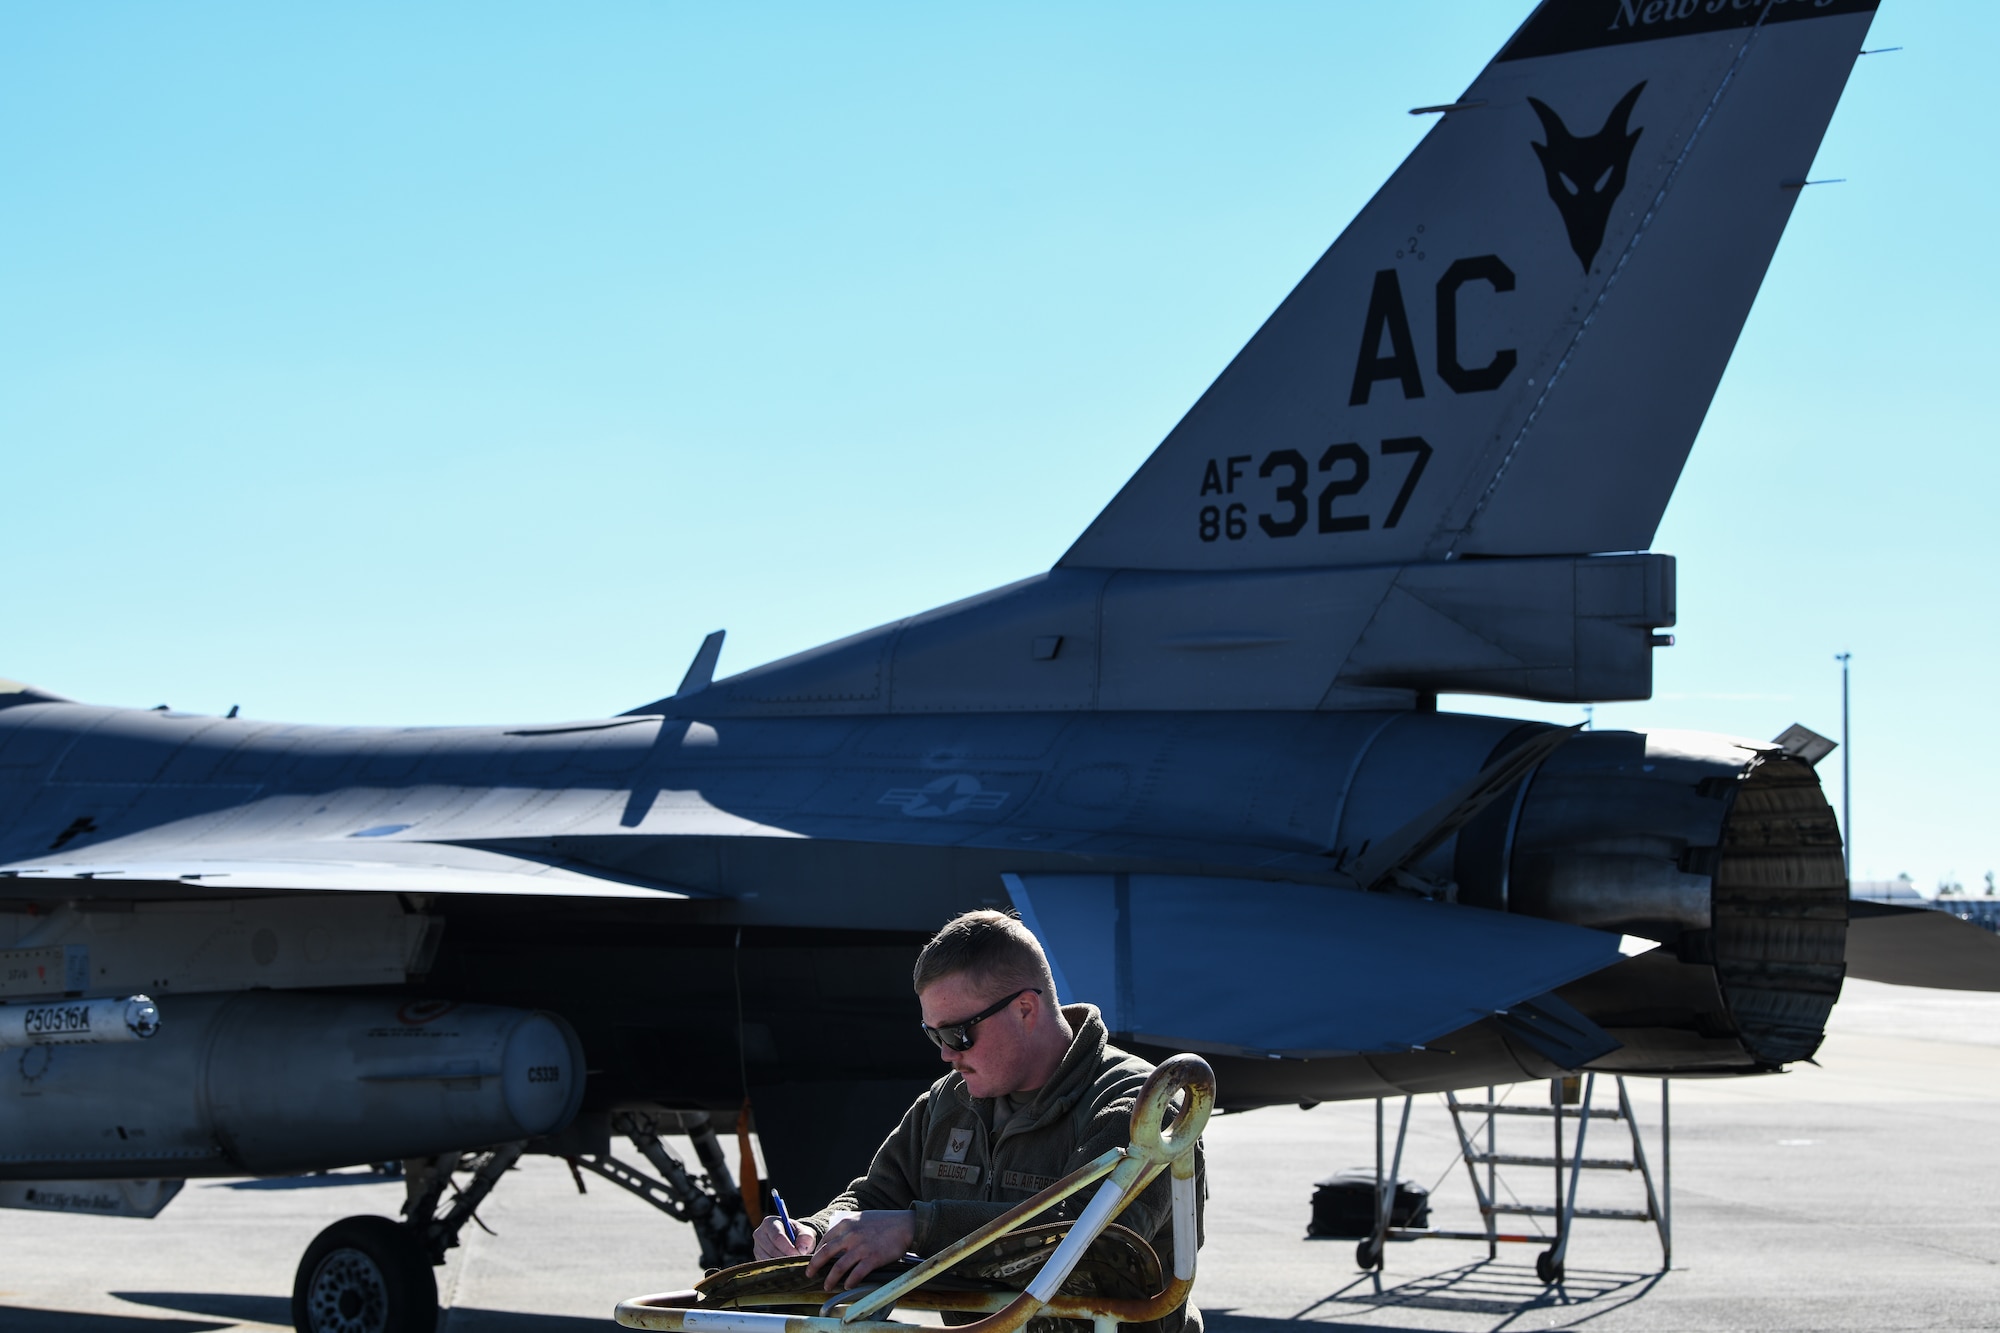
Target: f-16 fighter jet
[1201,756]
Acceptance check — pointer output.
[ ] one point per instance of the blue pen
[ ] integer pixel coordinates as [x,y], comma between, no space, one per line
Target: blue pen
[784,1218]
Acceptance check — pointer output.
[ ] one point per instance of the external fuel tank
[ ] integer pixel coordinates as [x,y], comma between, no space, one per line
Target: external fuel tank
[268,1083]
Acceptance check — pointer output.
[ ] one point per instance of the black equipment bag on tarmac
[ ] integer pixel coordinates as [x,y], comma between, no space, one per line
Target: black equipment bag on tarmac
[1343,1206]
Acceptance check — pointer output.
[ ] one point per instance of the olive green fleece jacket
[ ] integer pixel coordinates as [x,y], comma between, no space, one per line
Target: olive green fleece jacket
[945,1164]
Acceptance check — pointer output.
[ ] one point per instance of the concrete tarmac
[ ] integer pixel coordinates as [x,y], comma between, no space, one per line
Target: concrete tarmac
[1861,1194]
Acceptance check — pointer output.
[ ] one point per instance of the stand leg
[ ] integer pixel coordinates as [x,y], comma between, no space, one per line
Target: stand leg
[1492,1179]
[1666,1179]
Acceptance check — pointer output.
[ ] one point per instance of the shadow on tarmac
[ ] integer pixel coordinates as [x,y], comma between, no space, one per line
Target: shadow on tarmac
[225,1310]
[1509,1292]
[219,1305]
[330,1179]
[20,1319]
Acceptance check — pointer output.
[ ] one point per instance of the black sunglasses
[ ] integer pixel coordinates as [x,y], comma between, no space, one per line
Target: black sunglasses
[959,1036]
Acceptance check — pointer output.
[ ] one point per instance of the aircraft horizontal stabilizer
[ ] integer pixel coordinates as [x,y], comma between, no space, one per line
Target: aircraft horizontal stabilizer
[387,867]
[1256,967]
[1918,946]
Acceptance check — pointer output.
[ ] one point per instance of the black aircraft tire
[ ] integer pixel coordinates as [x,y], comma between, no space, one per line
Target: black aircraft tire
[1547,1269]
[1368,1255]
[365,1275]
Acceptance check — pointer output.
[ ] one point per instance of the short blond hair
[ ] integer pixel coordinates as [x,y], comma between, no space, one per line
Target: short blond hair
[992,948]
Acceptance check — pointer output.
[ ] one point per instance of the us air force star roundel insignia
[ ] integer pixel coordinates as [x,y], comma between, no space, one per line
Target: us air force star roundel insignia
[944,796]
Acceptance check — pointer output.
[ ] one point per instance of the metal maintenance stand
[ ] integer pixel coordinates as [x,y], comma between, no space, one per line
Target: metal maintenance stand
[1568,1101]
[773,1296]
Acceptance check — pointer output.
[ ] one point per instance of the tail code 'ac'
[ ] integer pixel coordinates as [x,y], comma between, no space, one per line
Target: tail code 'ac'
[1509,351]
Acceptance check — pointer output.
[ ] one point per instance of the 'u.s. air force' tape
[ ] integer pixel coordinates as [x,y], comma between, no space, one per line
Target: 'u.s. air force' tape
[72,1022]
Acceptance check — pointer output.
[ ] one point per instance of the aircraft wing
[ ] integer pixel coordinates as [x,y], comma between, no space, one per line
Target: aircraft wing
[1919,946]
[1261,967]
[383,867]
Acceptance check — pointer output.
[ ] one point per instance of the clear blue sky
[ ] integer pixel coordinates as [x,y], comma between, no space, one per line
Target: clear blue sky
[450,363]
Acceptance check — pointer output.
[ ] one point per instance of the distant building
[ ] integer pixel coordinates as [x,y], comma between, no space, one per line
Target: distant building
[1901,891]
[1979,911]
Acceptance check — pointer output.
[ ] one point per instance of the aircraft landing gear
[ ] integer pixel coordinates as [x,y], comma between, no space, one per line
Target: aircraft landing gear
[425,1180]
[710,1202]
[365,1275]
[373,1274]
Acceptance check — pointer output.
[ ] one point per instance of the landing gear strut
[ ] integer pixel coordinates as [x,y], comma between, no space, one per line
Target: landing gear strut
[709,1202]
[373,1275]
[425,1180]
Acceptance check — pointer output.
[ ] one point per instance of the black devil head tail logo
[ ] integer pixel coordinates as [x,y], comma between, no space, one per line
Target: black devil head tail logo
[1586,175]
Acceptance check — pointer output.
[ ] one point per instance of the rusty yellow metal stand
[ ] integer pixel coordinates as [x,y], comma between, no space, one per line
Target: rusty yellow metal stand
[1155,1146]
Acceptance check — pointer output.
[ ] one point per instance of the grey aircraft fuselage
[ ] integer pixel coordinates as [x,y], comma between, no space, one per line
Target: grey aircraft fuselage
[847,839]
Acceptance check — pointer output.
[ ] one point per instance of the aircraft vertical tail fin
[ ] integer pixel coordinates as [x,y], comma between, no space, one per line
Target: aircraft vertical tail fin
[1510,350]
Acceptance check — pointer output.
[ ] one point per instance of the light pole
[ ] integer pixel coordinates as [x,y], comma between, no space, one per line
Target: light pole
[1846,780]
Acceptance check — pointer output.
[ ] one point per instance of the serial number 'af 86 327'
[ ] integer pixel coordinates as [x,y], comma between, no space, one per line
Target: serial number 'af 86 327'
[1345,497]
[1337,506]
